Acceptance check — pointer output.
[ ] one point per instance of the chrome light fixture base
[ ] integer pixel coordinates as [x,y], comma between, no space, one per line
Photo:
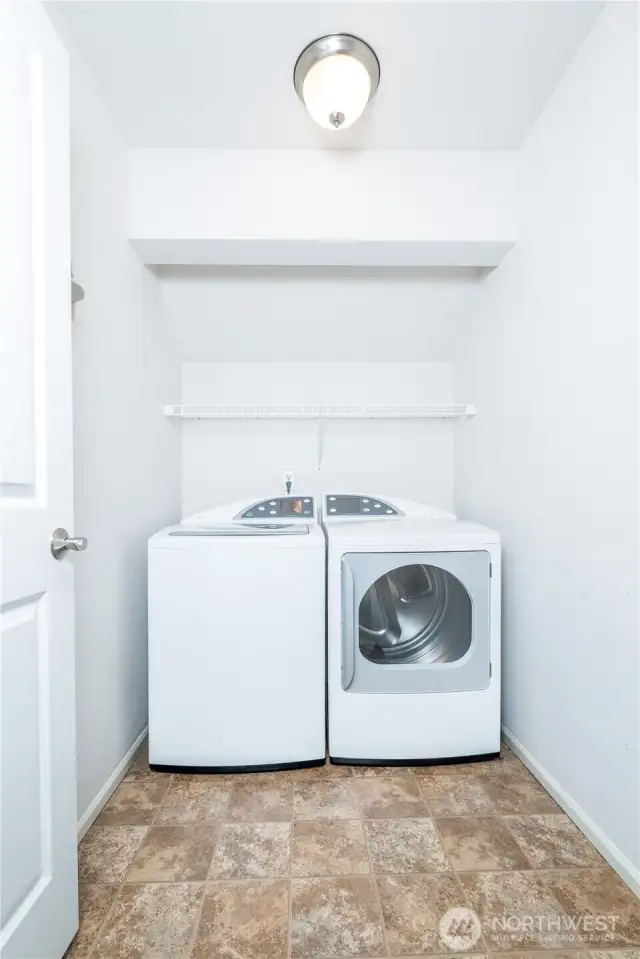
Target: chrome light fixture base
[332,44]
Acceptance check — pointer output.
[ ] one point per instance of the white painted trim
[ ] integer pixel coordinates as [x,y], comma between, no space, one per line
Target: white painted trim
[217,251]
[443,208]
[614,856]
[95,808]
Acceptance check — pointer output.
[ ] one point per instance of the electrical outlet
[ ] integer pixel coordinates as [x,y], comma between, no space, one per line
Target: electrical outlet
[287,478]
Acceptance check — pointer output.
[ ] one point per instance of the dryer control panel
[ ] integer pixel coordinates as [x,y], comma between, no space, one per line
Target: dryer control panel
[291,507]
[341,504]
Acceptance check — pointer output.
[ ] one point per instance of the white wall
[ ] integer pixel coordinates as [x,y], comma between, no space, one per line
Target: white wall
[126,453]
[321,335]
[328,313]
[551,359]
[231,459]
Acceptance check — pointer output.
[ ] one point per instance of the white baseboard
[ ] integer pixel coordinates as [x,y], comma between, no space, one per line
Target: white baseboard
[616,859]
[95,808]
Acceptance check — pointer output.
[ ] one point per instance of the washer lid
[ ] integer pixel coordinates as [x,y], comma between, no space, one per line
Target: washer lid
[245,529]
[247,536]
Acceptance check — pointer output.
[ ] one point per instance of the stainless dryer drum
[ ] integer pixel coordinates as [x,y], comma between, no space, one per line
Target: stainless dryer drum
[415,613]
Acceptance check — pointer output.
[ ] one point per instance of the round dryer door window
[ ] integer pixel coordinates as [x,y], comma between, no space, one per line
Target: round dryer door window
[417,613]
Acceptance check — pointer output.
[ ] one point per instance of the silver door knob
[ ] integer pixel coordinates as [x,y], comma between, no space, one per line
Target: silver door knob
[61,543]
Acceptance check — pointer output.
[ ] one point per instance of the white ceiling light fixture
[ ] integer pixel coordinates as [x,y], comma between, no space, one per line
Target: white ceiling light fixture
[336,77]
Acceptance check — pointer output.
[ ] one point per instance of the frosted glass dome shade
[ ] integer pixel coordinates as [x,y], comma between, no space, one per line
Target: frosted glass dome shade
[336,91]
[335,77]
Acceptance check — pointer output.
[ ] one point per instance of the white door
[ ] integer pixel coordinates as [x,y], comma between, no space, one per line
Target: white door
[38,877]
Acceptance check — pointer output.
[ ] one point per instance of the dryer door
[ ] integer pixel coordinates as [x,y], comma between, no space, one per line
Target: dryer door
[415,622]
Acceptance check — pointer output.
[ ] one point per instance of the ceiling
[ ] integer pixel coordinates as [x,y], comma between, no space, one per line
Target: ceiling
[456,75]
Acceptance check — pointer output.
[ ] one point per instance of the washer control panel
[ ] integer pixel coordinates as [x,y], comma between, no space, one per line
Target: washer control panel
[292,507]
[340,504]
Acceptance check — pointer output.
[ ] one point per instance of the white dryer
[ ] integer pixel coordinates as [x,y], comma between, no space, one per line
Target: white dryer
[237,639]
[413,620]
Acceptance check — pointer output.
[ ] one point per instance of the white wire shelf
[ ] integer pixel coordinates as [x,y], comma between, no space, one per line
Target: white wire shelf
[267,411]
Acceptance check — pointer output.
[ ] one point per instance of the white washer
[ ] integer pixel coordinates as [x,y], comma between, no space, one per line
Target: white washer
[237,638]
[413,621]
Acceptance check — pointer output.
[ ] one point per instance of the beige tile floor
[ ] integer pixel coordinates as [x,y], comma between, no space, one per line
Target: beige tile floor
[336,861]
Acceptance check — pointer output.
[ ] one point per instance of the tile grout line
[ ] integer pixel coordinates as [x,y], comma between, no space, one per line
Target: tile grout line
[249,880]
[101,926]
[540,873]
[426,802]
[119,885]
[484,792]
[493,811]
[290,883]
[448,858]
[456,879]
[161,803]
[518,844]
[198,918]
[376,891]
